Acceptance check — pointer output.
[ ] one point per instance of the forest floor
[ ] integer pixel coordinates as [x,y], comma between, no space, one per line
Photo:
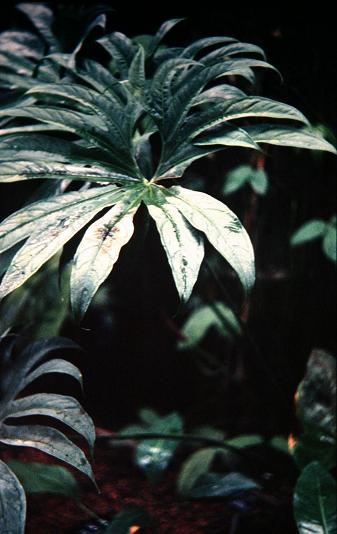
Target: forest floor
[122,484]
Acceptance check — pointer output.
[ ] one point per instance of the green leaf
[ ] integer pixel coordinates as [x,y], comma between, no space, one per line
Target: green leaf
[229,110]
[316,411]
[37,477]
[218,316]
[330,242]
[99,251]
[210,485]
[289,136]
[259,181]
[194,48]
[227,136]
[48,440]
[236,178]
[222,228]
[40,169]
[54,366]
[121,49]
[246,440]
[308,231]
[137,72]
[22,43]
[316,393]
[195,466]
[50,224]
[232,49]
[223,92]
[315,501]
[183,246]
[159,36]
[14,375]
[41,16]
[63,408]
[12,502]
[209,432]
[154,455]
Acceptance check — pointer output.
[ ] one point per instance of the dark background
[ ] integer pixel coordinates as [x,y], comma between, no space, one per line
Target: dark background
[130,336]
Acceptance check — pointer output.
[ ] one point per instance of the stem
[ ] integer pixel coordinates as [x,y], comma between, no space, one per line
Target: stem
[177,437]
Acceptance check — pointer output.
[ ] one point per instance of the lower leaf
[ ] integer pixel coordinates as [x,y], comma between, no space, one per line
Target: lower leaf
[12,502]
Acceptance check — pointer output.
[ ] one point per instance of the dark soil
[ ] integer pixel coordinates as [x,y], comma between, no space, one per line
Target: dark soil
[268,511]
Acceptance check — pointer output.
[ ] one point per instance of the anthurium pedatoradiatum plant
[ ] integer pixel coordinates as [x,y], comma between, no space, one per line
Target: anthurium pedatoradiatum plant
[101,124]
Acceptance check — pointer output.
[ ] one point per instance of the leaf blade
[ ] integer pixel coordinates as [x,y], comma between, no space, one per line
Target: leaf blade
[12,502]
[222,229]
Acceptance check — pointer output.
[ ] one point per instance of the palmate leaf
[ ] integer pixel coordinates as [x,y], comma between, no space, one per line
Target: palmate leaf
[12,502]
[17,374]
[149,104]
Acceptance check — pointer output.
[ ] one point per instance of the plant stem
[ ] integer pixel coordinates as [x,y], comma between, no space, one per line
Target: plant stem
[178,437]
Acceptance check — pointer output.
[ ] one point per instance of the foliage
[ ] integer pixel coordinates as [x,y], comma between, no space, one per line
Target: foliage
[326,231]
[217,316]
[316,410]
[23,51]
[245,174]
[158,439]
[153,456]
[17,374]
[315,501]
[100,125]
[36,477]
[315,449]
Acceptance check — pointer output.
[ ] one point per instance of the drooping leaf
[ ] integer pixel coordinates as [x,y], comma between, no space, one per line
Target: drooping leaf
[222,228]
[183,246]
[15,374]
[37,477]
[63,408]
[60,218]
[315,501]
[41,16]
[289,136]
[210,485]
[12,502]
[48,440]
[99,251]
[159,36]
[54,366]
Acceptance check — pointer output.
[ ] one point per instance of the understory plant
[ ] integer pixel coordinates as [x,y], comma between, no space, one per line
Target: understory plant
[17,372]
[110,136]
[126,129]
